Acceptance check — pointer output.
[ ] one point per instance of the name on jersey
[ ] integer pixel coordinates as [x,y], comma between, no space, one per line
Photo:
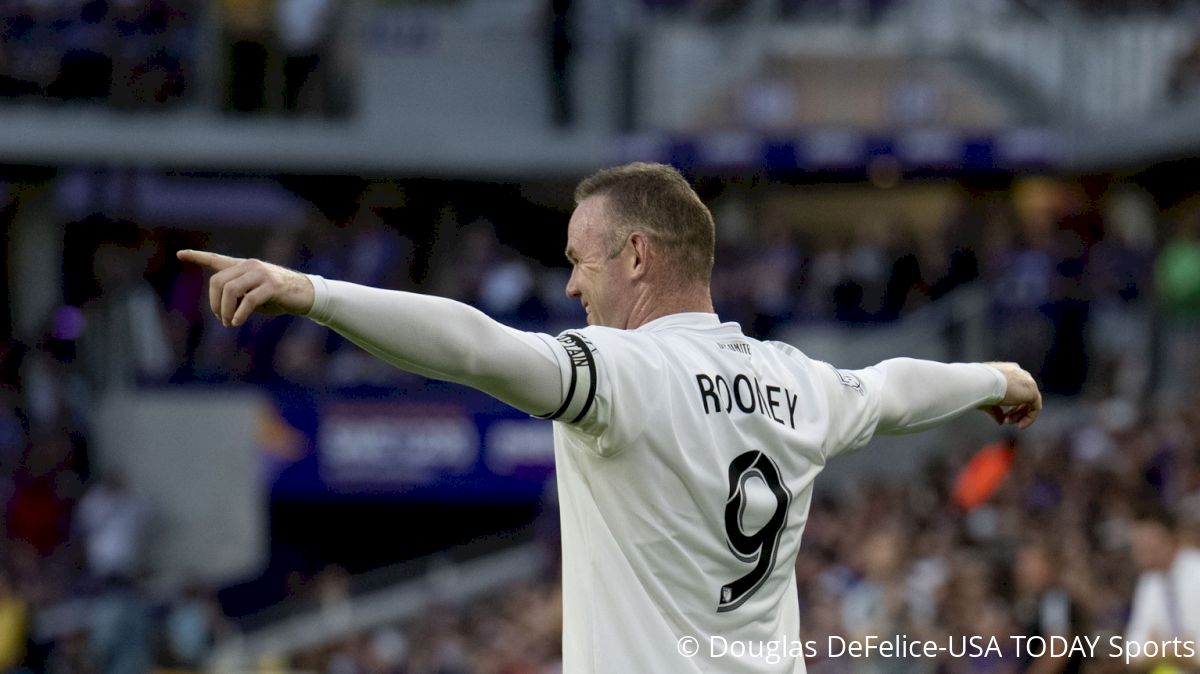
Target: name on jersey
[748,395]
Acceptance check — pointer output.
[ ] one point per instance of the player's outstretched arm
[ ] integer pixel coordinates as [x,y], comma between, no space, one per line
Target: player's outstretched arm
[431,336]
[919,394]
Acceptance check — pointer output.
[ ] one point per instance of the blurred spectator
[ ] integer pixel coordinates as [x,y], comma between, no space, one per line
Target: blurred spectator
[386,651]
[112,522]
[560,16]
[508,292]
[1021,264]
[331,594]
[301,356]
[462,258]
[860,293]
[86,70]
[155,51]
[14,624]
[871,277]
[1065,365]
[1166,603]
[875,604]
[192,625]
[774,276]
[14,437]
[45,489]
[1185,72]
[121,632]
[1119,274]
[1178,272]
[56,393]
[127,339]
[1044,608]
[247,29]
[187,306]
[16,76]
[374,254]
[72,655]
[1177,275]
[306,32]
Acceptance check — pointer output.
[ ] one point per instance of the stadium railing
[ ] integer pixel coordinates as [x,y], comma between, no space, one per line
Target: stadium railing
[442,583]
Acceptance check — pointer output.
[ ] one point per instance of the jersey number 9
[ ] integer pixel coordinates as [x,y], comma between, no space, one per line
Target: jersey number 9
[758,548]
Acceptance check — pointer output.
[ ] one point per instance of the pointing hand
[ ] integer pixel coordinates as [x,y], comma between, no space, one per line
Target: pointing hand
[242,286]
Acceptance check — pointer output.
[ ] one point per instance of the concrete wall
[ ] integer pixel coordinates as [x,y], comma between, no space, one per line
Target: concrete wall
[192,457]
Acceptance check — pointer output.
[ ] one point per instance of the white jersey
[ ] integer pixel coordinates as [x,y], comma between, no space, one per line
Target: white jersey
[686,454]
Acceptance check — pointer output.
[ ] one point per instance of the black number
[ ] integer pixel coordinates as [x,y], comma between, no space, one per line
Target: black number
[761,546]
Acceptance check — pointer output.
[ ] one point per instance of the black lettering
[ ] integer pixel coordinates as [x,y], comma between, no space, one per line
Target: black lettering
[762,404]
[707,391]
[791,401]
[737,392]
[772,403]
[728,396]
[577,356]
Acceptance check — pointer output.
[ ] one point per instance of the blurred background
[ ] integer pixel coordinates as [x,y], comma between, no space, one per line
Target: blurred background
[948,179]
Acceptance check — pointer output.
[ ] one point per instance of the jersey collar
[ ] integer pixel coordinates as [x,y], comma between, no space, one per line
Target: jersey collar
[689,319]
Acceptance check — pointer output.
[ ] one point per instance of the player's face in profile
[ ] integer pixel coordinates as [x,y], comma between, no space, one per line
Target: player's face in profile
[596,279]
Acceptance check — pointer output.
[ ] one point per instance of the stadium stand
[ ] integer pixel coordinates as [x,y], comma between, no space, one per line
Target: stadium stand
[1020,190]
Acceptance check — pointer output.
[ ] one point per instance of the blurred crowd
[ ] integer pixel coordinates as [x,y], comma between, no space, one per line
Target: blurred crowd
[272,55]
[1079,287]
[1056,550]
[517,630]
[874,10]
[1069,284]
[123,53]
[72,570]
[293,57]
[1051,552]
[284,56]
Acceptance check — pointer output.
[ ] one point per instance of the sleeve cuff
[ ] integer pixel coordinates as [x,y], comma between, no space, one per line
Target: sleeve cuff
[1001,388]
[321,311]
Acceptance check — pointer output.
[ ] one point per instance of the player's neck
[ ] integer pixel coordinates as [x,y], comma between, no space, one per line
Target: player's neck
[650,306]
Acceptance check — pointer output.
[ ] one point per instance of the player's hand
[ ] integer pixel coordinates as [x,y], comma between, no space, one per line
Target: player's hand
[241,286]
[1022,401]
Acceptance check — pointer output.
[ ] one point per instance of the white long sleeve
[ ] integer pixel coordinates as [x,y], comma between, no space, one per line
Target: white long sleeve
[443,339]
[919,394]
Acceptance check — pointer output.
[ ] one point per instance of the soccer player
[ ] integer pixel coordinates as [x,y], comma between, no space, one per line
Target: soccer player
[685,451]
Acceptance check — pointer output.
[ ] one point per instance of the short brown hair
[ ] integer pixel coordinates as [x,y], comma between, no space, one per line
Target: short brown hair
[656,199]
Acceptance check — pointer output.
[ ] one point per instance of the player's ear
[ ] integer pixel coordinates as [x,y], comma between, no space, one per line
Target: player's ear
[639,244]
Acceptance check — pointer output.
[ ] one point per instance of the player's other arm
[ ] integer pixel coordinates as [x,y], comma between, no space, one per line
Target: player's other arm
[431,336]
[916,395]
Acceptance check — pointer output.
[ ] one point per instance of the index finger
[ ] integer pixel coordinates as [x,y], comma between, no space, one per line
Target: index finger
[214,261]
